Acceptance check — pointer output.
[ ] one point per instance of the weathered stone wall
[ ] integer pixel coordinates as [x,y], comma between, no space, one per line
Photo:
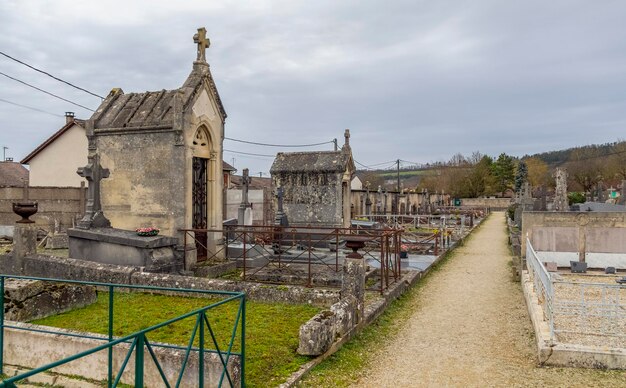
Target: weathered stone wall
[599,232]
[493,203]
[146,185]
[35,349]
[56,204]
[409,203]
[311,197]
[71,269]
[258,200]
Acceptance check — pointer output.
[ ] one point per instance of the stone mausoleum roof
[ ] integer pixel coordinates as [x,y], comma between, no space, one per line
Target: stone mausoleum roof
[319,161]
[153,109]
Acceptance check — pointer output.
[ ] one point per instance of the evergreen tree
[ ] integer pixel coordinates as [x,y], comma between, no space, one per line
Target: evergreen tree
[521,175]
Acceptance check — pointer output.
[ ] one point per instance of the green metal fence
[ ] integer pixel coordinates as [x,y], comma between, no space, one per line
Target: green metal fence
[140,344]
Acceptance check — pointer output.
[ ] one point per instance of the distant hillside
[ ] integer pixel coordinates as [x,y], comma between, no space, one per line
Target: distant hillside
[556,158]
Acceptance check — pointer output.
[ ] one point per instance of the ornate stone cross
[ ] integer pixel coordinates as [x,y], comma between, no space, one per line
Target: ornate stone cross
[203,43]
[245,183]
[94,173]
[280,194]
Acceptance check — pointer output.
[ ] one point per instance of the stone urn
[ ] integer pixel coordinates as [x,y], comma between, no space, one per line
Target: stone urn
[25,209]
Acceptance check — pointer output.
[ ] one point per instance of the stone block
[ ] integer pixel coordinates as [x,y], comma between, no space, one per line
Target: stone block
[24,240]
[353,284]
[345,313]
[124,247]
[318,334]
[26,300]
[57,241]
[551,266]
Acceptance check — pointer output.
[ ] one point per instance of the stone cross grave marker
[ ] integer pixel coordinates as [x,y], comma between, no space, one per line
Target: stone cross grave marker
[560,197]
[281,217]
[94,173]
[245,214]
[203,43]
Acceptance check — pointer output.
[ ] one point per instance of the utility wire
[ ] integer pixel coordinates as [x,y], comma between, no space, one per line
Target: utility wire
[51,76]
[29,107]
[46,92]
[278,145]
[249,153]
[371,166]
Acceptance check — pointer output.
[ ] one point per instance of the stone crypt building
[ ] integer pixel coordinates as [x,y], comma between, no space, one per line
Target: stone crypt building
[163,150]
[316,185]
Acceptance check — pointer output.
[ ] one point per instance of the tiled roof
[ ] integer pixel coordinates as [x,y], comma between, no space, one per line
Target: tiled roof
[13,174]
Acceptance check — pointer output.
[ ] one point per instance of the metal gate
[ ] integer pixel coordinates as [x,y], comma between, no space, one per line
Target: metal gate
[199,194]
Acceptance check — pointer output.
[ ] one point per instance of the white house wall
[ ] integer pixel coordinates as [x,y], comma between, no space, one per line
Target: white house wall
[57,163]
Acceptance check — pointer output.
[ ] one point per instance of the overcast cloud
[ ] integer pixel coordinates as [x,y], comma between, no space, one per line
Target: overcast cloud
[414,80]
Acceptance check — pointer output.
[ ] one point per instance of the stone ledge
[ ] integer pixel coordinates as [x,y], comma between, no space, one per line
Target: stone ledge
[122,237]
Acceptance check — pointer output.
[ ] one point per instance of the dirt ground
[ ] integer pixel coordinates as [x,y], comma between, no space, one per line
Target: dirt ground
[470,327]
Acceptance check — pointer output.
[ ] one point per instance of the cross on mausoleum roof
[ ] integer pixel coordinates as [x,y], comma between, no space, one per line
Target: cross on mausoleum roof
[203,43]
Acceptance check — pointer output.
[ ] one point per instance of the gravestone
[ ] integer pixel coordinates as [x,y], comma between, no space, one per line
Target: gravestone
[560,196]
[281,218]
[368,201]
[622,197]
[93,173]
[543,201]
[245,208]
[600,192]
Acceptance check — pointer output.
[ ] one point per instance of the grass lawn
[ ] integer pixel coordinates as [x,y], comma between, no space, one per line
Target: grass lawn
[271,328]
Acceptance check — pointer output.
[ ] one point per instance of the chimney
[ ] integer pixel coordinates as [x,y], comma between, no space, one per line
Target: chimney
[69,117]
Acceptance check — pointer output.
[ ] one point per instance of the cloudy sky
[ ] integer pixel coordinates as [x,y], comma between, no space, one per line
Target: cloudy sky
[413,80]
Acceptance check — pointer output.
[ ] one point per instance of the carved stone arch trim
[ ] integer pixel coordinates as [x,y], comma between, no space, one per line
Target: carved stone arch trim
[202,143]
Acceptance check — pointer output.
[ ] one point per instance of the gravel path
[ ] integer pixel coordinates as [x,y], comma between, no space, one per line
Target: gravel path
[470,327]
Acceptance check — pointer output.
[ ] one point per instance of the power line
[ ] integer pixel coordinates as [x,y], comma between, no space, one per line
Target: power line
[278,145]
[29,107]
[249,153]
[51,76]
[46,92]
[371,166]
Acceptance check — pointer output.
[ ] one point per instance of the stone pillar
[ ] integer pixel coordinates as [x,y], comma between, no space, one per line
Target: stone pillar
[353,284]
[24,240]
[582,243]
[560,197]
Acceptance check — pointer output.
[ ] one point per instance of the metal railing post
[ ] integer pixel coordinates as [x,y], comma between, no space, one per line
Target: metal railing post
[201,352]
[243,341]
[110,330]
[244,254]
[139,360]
[309,249]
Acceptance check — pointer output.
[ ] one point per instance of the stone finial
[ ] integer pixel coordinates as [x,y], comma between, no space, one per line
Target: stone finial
[203,43]
[346,135]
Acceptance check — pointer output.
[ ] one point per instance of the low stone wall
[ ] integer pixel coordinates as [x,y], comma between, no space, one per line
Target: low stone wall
[578,232]
[35,349]
[493,203]
[56,205]
[26,300]
[72,269]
